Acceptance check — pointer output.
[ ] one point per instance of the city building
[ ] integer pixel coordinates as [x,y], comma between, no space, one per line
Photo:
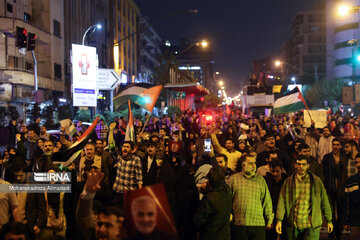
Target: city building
[343,34]
[308,55]
[45,19]
[149,53]
[125,39]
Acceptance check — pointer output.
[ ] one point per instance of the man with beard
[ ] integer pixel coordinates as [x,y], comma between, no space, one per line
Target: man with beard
[303,199]
[325,144]
[149,164]
[351,152]
[44,134]
[252,206]
[109,224]
[129,173]
[229,150]
[144,213]
[90,161]
[45,163]
[334,170]
[106,159]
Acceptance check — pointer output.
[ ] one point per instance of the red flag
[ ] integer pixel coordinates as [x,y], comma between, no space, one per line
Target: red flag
[129,135]
[228,111]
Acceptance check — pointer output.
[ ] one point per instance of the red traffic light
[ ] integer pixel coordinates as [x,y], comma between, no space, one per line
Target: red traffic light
[25,32]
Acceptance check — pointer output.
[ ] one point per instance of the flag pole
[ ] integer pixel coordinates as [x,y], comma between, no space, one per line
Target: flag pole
[307,109]
[147,120]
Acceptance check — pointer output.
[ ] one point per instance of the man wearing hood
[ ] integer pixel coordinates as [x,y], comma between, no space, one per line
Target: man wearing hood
[213,214]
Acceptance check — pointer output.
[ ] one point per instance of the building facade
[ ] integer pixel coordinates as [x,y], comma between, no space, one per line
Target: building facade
[308,55]
[149,50]
[343,34]
[126,14]
[45,19]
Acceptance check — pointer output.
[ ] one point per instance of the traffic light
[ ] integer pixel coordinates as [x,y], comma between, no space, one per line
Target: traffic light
[31,41]
[21,37]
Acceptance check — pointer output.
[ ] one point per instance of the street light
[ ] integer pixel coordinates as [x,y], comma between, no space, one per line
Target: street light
[343,10]
[202,43]
[221,83]
[277,63]
[94,27]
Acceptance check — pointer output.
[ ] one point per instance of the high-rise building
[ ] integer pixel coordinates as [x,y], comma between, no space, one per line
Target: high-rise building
[149,50]
[308,46]
[343,34]
[45,19]
[125,38]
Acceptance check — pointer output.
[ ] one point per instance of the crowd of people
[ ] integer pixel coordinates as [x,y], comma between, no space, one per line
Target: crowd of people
[260,178]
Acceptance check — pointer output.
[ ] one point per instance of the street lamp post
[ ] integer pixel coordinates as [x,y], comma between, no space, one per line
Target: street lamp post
[202,43]
[279,63]
[94,27]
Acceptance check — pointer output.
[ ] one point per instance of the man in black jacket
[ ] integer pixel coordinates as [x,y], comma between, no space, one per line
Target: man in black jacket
[274,179]
[148,164]
[213,214]
[334,171]
[32,206]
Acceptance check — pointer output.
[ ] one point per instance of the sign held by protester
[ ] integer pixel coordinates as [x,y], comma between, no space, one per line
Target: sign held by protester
[318,116]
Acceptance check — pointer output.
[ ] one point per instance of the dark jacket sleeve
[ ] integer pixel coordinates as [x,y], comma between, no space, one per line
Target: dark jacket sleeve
[84,218]
[201,216]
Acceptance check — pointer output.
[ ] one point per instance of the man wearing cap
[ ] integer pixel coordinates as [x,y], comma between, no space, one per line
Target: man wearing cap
[303,199]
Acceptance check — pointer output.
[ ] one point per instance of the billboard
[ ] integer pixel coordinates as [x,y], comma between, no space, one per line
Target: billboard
[84,67]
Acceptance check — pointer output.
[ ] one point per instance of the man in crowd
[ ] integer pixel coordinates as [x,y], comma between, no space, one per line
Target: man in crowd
[222,161]
[334,171]
[229,150]
[45,163]
[129,174]
[274,179]
[109,223]
[351,152]
[43,133]
[101,130]
[270,145]
[264,169]
[325,144]
[352,203]
[212,216]
[252,206]
[303,199]
[149,164]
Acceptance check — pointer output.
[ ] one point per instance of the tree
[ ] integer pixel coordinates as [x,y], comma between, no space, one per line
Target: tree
[322,90]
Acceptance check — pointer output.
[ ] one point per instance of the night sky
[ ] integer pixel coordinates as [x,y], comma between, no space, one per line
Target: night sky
[240,31]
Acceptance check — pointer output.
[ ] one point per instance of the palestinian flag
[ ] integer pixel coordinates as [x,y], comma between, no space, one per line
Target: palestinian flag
[67,157]
[143,95]
[292,101]
[130,134]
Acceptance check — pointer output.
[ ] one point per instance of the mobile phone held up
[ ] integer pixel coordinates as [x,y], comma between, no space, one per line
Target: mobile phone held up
[207,145]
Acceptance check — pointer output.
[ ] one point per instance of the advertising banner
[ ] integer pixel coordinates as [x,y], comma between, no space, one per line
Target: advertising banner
[84,76]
